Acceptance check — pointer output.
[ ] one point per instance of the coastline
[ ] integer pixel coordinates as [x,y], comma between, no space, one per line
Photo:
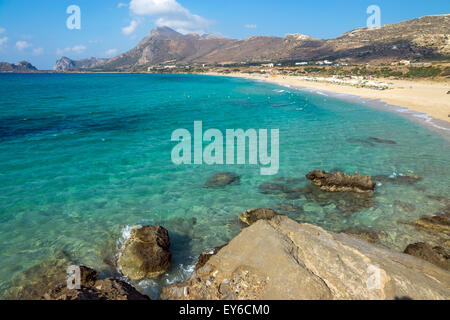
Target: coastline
[423,102]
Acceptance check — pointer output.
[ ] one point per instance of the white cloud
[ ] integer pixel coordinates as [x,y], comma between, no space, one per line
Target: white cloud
[2,30]
[111,52]
[76,49]
[121,4]
[3,41]
[250,26]
[171,14]
[22,45]
[79,49]
[131,28]
[38,51]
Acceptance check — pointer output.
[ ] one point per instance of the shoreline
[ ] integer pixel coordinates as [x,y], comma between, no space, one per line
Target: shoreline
[392,100]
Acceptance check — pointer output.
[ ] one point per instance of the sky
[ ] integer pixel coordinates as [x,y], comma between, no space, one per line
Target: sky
[37,30]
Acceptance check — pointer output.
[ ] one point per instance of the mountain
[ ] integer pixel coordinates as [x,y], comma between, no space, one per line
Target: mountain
[22,66]
[419,38]
[65,64]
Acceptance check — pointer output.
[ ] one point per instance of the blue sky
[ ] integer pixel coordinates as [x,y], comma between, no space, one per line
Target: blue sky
[35,30]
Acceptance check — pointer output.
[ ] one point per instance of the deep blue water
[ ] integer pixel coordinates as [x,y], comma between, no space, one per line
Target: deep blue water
[84,156]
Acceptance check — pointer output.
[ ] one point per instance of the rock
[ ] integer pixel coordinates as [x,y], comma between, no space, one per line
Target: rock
[365,234]
[205,256]
[435,255]
[439,223]
[107,289]
[383,141]
[404,206]
[253,215]
[146,253]
[448,92]
[347,203]
[222,179]
[288,192]
[273,188]
[361,141]
[279,259]
[88,276]
[341,182]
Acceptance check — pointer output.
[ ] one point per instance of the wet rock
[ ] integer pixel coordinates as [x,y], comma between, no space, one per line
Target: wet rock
[383,141]
[88,276]
[435,255]
[205,256]
[347,203]
[365,234]
[146,253]
[222,179]
[253,215]
[107,289]
[341,182]
[405,206]
[439,223]
[311,264]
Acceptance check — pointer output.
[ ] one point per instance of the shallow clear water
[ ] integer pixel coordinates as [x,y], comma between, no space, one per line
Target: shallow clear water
[83,156]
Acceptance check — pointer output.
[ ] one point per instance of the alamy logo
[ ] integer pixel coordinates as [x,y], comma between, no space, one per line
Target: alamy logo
[74,278]
[374,21]
[236,148]
[74,20]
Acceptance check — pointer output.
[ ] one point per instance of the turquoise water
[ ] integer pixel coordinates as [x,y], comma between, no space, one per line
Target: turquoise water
[83,156]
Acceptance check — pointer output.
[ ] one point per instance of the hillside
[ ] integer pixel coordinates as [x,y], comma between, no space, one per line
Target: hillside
[425,37]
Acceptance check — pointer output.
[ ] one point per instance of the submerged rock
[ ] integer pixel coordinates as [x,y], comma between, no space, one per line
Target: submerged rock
[365,234]
[408,179]
[383,141]
[341,182]
[290,208]
[279,259]
[222,179]
[404,206]
[435,255]
[253,215]
[146,253]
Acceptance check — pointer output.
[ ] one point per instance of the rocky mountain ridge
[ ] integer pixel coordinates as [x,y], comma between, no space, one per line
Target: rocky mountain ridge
[425,37]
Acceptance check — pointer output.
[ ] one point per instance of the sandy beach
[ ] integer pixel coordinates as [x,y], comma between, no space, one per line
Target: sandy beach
[427,97]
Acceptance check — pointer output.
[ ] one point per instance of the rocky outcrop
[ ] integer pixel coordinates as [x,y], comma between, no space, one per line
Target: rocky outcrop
[281,259]
[66,64]
[222,179]
[22,66]
[341,182]
[251,216]
[146,253]
[435,255]
[93,289]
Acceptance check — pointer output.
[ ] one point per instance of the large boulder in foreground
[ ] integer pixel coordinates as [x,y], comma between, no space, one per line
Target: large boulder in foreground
[146,253]
[341,182]
[282,259]
[253,215]
[222,179]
